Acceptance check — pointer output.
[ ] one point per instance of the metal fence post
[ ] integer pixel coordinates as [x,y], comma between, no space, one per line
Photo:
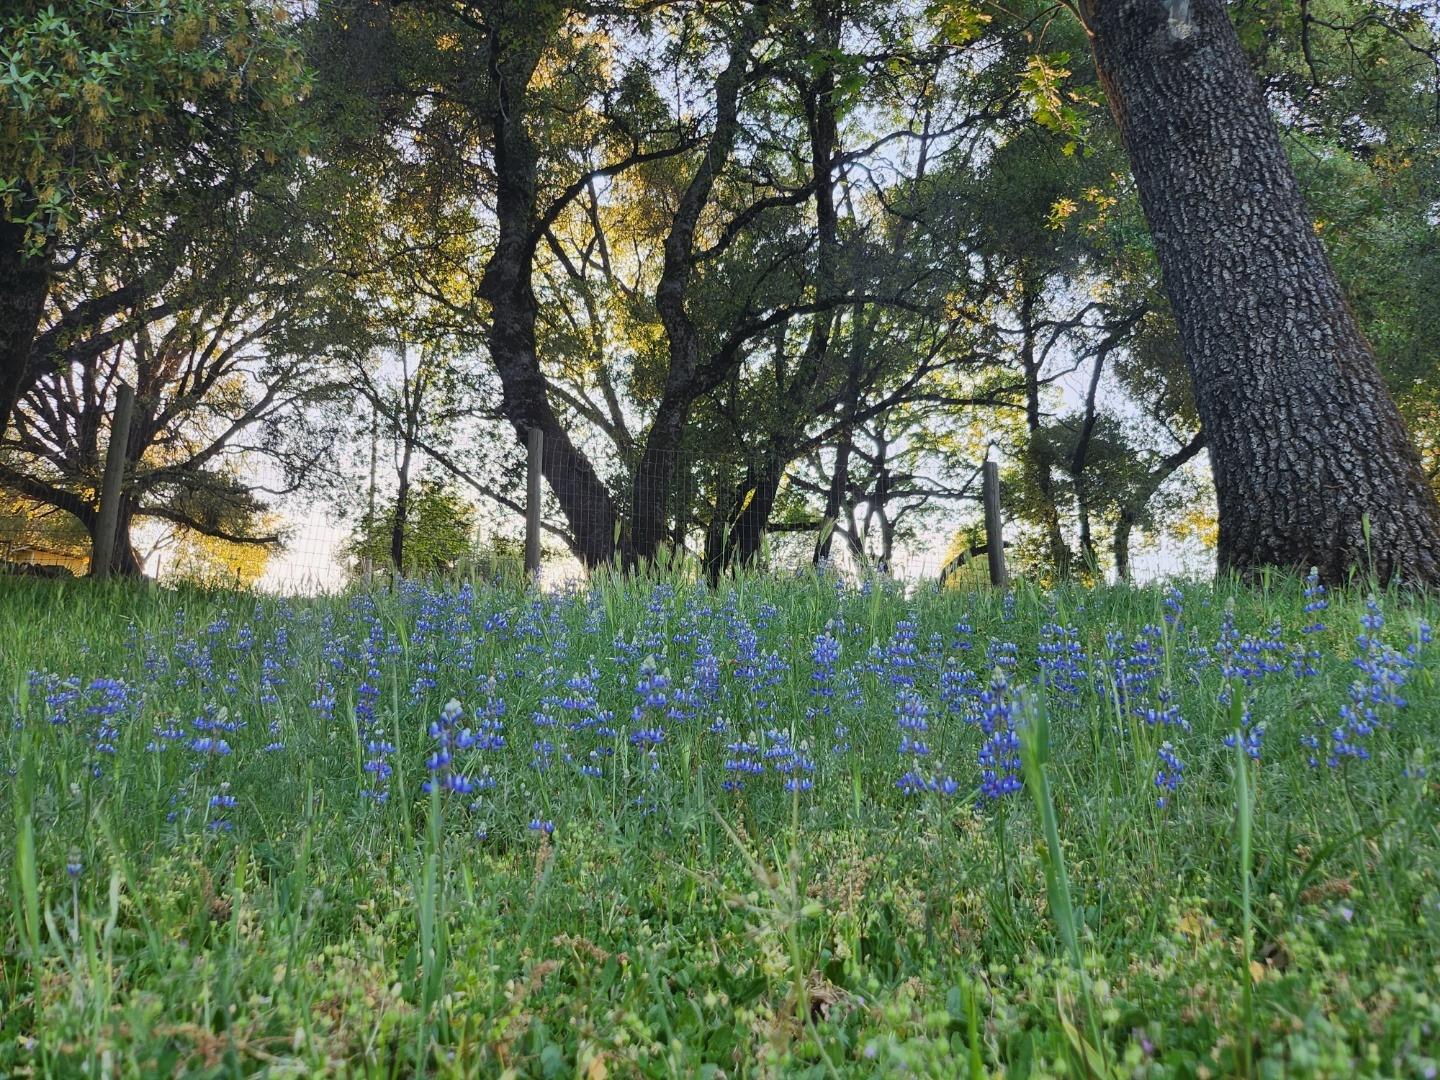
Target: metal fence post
[108,516]
[994,540]
[536,447]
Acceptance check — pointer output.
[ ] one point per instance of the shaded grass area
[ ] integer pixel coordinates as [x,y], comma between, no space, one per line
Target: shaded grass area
[785,828]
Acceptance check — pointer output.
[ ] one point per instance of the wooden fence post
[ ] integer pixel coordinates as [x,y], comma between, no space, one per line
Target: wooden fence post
[536,447]
[994,540]
[108,516]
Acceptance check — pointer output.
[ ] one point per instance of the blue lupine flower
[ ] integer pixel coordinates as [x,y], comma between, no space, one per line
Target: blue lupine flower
[1251,736]
[440,761]
[999,756]
[1002,655]
[1170,775]
[745,760]
[1373,697]
[324,701]
[1061,660]
[110,700]
[1165,712]
[652,688]
[960,691]
[824,654]
[999,760]
[1173,602]
[963,633]
[1315,602]
[899,655]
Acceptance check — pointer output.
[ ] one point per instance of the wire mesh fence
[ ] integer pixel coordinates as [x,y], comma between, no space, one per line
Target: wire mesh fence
[700,515]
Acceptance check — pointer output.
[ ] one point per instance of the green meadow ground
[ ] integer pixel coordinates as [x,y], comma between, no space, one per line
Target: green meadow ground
[785,828]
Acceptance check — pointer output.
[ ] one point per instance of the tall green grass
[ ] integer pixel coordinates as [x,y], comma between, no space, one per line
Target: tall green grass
[1273,918]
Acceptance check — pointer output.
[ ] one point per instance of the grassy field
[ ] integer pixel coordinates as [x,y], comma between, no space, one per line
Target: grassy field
[785,828]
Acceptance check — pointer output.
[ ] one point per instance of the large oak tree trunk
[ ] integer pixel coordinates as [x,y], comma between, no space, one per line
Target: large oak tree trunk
[507,285]
[1305,442]
[589,510]
[24,284]
[684,384]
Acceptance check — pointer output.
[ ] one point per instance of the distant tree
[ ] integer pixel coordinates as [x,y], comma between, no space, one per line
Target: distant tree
[439,532]
[198,559]
[26,523]
[223,365]
[676,234]
[509,115]
[418,396]
[114,113]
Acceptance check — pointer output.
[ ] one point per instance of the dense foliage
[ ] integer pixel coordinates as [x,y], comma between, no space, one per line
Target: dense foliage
[788,271]
[438,531]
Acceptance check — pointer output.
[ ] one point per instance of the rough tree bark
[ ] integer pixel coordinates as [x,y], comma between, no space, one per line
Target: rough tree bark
[1305,441]
[507,286]
[656,471]
[24,284]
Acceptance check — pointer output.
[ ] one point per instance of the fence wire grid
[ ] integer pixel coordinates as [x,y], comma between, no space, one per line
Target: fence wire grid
[698,514]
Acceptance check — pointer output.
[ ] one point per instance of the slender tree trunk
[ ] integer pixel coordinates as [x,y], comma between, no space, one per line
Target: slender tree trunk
[1088,551]
[402,512]
[125,563]
[1132,508]
[24,284]
[720,518]
[679,525]
[1080,459]
[1124,526]
[835,497]
[1305,441]
[374,454]
[1040,459]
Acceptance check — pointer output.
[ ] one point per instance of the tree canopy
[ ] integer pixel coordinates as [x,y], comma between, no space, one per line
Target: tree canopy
[765,276]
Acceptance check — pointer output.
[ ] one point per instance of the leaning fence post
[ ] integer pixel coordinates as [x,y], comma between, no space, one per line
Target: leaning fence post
[994,540]
[108,516]
[536,446]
